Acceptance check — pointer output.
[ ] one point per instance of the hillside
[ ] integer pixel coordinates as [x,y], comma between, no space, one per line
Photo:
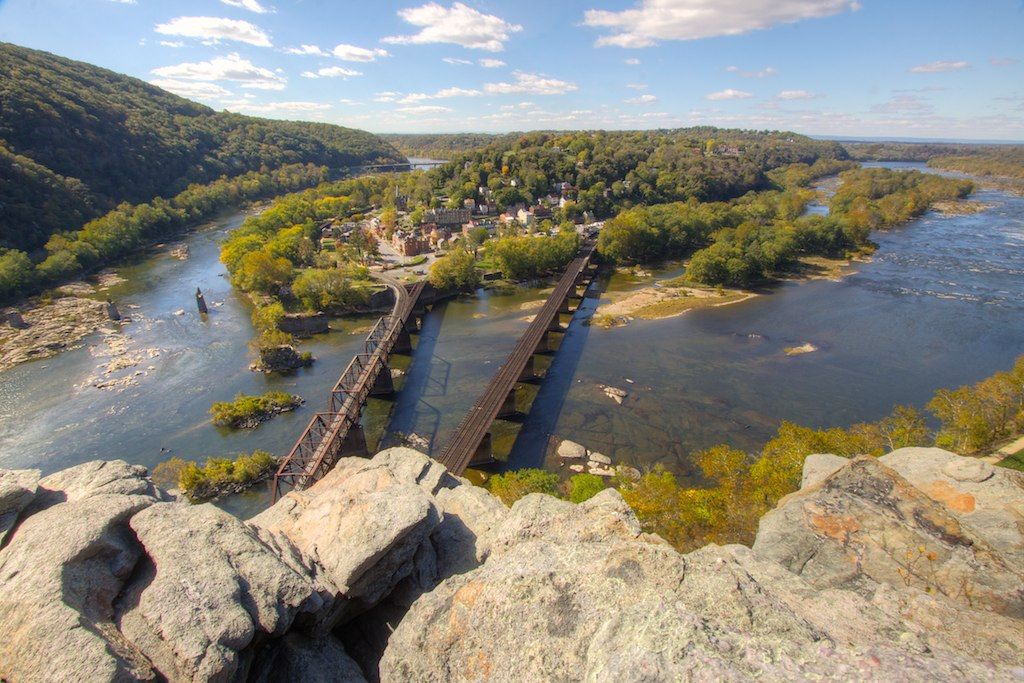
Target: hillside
[76,140]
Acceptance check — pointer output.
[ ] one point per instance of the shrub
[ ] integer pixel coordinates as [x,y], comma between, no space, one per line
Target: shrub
[245,409]
[221,475]
[511,486]
[584,486]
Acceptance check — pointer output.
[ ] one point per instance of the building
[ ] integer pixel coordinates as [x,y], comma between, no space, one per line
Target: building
[409,244]
[447,217]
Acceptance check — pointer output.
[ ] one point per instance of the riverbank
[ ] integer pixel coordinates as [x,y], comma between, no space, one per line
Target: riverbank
[673,297]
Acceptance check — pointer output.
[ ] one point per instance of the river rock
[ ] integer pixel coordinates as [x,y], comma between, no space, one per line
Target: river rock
[361,523]
[61,571]
[209,586]
[600,458]
[601,471]
[988,499]
[17,489]
[866,525]
[577,468]
[571,450]
[818,466]
[281,359]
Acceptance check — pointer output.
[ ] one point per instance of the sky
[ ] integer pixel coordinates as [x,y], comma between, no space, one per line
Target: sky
[893,68]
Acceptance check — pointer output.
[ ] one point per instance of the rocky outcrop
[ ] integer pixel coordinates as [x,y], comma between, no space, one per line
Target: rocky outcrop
[866,525]
[17,489]
[281,359]
[902,568]
[579,593]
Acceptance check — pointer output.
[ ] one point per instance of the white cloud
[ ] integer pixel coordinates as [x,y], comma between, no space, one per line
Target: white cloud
[940,66]
[458,24]
[172,43]
[351,53]
[637,86]
[278,108]
[795,95]
[457,61]
[387,96]
[191,89]
[763,73]
[652,21]
[229,68]
[1002,61]
[904,104]
[488,63]
[332,72]
[306,50]
[424,109]
[215,29]
[251,5]
[632,61]
[124,2]
[643,99]
[729,94]
[533,84]
[442,94]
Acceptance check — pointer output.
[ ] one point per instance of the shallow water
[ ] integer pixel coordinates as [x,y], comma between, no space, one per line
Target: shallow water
[940,305]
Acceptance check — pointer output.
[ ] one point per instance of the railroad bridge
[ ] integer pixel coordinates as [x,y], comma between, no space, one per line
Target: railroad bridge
[471,444]
[336,432]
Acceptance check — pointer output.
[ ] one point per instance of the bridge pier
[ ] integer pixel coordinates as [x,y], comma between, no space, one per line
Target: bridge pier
[403,343]
[354,445]
[484,454]
[384,385]
[508,408]
[529,373]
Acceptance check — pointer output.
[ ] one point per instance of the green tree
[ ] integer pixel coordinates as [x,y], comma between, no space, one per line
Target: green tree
[456,270]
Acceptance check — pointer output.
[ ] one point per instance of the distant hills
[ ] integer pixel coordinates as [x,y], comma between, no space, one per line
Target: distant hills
[76,140]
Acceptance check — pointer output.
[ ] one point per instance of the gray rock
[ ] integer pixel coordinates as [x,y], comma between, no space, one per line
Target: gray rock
[463,538]
[209,587]
[362,523]
[17,489]
[988,499]
[600,458]
[61,571]
[818,466]
[866,525]
[299,658]
[564,599]
[571,450]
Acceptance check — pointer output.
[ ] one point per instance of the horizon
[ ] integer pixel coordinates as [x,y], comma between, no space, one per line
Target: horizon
[828,69]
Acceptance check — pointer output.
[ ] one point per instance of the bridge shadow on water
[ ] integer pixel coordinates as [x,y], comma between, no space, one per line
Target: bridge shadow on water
[531,443]
[427,376]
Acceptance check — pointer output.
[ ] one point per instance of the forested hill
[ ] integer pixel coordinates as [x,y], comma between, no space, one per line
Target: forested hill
[75,140]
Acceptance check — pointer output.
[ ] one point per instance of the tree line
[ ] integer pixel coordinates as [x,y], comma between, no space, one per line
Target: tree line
[763,234]
[128,227]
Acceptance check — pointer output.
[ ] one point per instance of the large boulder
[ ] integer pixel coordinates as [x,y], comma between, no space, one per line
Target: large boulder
[61,571]
[989,499]
[209,587]
[865,525]
[297,657]
[17,489]
[363,523]
[578,593]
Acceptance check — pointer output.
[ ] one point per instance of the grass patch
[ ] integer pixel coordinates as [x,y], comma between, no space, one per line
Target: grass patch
[247,412]
[1013,462]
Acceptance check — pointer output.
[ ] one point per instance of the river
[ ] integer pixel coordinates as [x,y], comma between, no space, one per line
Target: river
[940,305]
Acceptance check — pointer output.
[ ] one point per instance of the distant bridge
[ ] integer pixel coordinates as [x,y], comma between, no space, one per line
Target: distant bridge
[471,444]
[395,168]
[336,432]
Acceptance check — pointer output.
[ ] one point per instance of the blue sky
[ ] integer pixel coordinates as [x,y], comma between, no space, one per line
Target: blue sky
[901,68]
